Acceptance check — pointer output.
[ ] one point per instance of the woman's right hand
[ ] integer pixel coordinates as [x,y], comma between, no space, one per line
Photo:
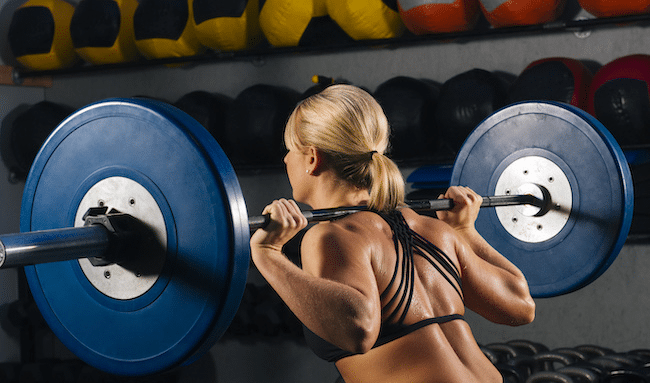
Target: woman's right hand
[467,204]
[286,220]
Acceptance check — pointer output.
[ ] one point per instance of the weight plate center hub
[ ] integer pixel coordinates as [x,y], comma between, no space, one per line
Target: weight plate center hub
[133,277]
[540,177]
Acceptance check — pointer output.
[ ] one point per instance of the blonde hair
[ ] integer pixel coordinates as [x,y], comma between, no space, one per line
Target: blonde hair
[349,126]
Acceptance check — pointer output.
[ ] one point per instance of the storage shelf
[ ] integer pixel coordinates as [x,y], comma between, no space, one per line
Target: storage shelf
[480,33]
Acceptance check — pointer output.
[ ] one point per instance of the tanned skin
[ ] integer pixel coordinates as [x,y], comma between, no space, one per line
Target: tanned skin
[348,263]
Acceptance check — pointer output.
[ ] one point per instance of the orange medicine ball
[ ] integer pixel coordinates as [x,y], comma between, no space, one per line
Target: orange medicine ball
[609,8]
[426,16]
[505,13]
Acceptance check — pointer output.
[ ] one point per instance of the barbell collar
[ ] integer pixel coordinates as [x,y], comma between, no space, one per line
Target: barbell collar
[105,238]
[262,221]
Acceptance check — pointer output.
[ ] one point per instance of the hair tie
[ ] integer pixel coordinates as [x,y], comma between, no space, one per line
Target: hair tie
[370,154]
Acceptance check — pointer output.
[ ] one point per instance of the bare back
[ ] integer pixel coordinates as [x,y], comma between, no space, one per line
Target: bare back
[445,352]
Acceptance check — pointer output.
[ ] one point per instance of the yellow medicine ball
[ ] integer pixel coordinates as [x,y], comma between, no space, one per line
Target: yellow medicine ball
[102,31]
[284,21]
[39,35]
[227,25]
[367,19]
[164,29]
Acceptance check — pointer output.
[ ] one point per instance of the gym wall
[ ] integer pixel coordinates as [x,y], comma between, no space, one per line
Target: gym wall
[611,312]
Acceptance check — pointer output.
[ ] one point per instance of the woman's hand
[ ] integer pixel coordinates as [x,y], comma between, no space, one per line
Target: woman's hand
[467,204]
[286,221]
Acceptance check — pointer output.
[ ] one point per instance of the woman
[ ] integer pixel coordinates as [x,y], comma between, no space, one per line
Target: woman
[381,292]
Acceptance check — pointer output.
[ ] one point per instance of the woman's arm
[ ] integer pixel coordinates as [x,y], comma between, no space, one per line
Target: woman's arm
[335,294]
[493,286]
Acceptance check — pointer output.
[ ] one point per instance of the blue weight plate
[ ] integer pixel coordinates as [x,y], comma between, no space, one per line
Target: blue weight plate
[201,284]
[601,190]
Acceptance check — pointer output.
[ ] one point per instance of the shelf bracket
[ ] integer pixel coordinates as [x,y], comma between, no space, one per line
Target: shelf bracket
[9,77]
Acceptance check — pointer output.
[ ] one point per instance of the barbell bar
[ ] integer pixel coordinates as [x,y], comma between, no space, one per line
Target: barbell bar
[178,283]
[18,250]
[98,236]
[428,205]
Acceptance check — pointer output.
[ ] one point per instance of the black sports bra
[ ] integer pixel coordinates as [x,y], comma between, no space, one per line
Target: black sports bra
[412,244]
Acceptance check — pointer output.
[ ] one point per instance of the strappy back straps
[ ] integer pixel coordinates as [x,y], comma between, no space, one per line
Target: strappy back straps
[413,243]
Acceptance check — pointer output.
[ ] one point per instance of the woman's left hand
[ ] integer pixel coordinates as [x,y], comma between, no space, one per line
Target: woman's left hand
[286,221]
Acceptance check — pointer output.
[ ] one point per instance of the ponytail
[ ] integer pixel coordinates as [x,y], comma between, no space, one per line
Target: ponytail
[387,189]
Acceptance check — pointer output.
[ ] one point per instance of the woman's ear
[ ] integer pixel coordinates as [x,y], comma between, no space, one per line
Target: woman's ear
[315,159]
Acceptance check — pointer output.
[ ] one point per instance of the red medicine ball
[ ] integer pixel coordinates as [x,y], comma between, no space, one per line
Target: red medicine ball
[555,79]
[619,98]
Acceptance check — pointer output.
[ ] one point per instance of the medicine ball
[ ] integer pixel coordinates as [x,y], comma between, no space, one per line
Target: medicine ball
[213,111]
[619,98]
[227,25]
[288,23]
[409,105]
[505,13]
[466,100]
[164,28]
[39,35]
[555,79]
[102,31]
[367,19]
[608,8]
[24,132]
[259,116]
[429,16]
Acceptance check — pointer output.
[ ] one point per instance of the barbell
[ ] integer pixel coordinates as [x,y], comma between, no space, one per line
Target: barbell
[107,237]
[135,234]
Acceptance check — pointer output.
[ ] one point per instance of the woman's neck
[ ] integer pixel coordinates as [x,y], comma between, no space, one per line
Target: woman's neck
[331,192]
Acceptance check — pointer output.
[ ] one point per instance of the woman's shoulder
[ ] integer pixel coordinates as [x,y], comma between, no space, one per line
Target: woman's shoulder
[433,229]
[354,226]
[341,243]
[422,221]
[367,228]
[359,231]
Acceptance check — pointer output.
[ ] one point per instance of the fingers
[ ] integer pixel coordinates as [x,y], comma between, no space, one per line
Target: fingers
[467,204]
[286,214]
[471,196]
[286,220]
[462,196]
